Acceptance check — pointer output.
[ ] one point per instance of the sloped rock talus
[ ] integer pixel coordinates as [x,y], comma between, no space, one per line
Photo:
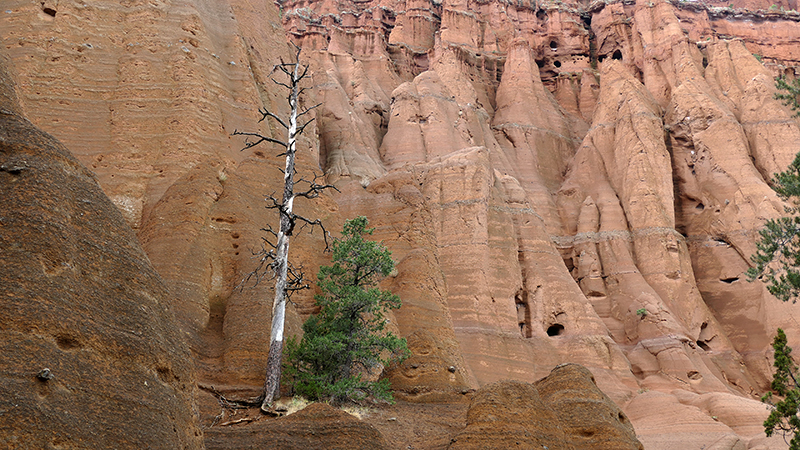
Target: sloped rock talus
[92,355]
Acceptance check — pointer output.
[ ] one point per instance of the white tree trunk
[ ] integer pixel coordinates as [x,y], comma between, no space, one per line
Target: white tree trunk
[272,382]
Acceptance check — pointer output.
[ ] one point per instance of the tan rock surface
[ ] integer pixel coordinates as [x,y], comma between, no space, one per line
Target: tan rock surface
[589,418]
[564,410]
[509,414]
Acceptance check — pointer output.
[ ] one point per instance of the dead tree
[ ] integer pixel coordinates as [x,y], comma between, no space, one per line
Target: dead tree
[274,255]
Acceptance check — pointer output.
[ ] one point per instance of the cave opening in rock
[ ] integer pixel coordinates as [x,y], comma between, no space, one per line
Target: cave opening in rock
[557,63]
[49,11]
[540,63]
[555,329]
[617,55]
[554,45]
[523,313]
[541,14]
[704,346]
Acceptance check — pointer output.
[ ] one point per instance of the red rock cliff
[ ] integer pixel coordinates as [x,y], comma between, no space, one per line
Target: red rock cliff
[559,182]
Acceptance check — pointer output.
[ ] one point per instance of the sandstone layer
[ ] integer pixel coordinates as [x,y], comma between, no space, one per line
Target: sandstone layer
[564,410]
[92,356]
[558,181]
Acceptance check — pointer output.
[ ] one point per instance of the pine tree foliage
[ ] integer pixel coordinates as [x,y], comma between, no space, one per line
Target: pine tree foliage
[788,92]
[777,263]
[347,340]
[783,418]
[777,257]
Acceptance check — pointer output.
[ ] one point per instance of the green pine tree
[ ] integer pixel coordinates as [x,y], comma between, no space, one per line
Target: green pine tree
[347,340]
[783,417]
[789,91]
[777,258]
[777,263]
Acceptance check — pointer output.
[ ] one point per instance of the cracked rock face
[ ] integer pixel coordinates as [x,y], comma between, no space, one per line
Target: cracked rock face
[557,182]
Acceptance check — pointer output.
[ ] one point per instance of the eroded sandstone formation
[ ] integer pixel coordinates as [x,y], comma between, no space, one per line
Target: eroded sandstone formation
[92,355]
[564,410]
[558,181]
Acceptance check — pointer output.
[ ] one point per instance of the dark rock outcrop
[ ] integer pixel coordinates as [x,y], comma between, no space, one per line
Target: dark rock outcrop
[91,355]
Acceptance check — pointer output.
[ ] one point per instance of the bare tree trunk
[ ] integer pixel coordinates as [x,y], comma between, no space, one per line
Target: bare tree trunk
[276,259]
[272,382]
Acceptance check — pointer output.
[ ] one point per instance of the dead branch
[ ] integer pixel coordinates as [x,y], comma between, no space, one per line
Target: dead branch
[228,404]
[267,113]
[234,422]
[250,144]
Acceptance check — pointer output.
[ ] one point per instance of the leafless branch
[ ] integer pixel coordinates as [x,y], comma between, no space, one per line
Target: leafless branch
[280,83]
[309,110]
[267,113]
[302,128]
[250,144]
[230,404]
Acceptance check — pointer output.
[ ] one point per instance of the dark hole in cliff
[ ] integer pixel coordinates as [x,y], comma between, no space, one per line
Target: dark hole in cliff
[553,45]
[700,206]
[49,11]
[729,280]
[67,342]
[705,62]
[557,63]
[694,375]
[601,58]
[541,14]
[555,329]
[622,418]
[523,313]
[617,55]
[540,63]
[216,316]
[703,345]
